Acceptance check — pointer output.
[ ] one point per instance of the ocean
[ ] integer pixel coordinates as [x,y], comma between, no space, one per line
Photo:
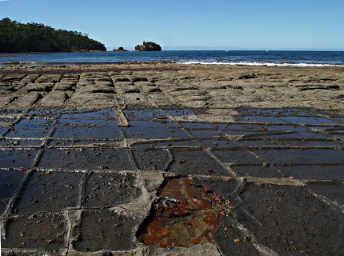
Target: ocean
[268,58]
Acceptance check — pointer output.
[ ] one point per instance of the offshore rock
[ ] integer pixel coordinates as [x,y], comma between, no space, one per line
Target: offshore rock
[148,46]
[120,49]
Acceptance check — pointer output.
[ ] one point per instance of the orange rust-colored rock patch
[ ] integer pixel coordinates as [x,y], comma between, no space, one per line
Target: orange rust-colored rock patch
[185,215]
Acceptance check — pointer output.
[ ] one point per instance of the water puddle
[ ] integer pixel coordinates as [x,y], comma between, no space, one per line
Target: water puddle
[106,114]
[144,115]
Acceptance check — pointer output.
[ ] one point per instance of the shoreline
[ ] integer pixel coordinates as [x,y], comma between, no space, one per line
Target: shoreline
[250,64]
[10,68]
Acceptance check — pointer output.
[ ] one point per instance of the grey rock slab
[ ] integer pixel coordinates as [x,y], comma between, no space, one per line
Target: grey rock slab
[109,190]
[95,89]
[48,78]
[49,192]
[65,86]
[195,162]
[18,143]
[17,158]
[121,79]
[3,130]
[146,83]
[148,159]
[26,101]
[122,86]
[257,171]
[143,144]
[143,115]
[227,189]
[204,133]
[87,129]
[104,230]
[152,130]
[159,99]
[290,220]
[309,156]
[39,87]
[9,184]
[5,124]
[231,241]
[200,249]
[35,128]
[30,78]
[139,79]
[104,83]
[89,159]
[4,100]
[54,99]
[324,172]
[135,99]
[12,77]
[332,191]
[151,90]
[104,114]
[91,100]
[237,156]
[41,231]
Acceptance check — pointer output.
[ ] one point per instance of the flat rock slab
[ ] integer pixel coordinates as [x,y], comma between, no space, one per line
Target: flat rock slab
[54,99]
[108,190]
[170,159]
[17,158]
[48,192]
[86,158]
[291,221]
[42,231]
[102,229]
[10,184]
[5,100]
[25,101]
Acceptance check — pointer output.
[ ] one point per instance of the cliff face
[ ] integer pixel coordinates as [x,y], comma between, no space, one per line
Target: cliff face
[34,37]
[148,46]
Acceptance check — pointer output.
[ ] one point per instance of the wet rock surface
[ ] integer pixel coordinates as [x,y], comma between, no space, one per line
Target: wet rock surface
[165,159]
[298,226]
[103,229]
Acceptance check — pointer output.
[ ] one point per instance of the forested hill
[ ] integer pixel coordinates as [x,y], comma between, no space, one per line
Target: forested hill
[33,37]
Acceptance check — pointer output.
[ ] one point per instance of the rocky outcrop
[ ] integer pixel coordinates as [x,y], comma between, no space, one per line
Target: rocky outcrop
[120,49]
[148,46]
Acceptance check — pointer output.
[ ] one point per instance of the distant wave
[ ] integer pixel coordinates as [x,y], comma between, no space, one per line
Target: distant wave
[248,58]
[268,64]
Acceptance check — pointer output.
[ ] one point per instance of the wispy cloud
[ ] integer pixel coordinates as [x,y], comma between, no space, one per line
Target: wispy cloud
[3,0]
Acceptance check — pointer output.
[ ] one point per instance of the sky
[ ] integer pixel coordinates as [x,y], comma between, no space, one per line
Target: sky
[192,24]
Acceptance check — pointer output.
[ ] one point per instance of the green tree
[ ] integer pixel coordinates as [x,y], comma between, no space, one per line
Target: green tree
[35,37]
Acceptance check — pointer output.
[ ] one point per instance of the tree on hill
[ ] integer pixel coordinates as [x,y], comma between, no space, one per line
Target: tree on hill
[34,37]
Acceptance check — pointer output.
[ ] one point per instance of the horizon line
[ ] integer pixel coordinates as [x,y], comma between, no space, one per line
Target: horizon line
[239,49]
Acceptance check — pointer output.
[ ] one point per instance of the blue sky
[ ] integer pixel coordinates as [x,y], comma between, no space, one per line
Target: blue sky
[193,24]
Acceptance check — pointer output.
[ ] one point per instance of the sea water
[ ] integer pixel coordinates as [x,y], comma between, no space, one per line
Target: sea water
[268,58]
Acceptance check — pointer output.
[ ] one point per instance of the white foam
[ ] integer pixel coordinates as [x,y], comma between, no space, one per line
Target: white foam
[268,64]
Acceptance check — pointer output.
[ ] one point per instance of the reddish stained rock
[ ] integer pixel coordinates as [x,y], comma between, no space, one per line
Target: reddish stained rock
[185,215]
